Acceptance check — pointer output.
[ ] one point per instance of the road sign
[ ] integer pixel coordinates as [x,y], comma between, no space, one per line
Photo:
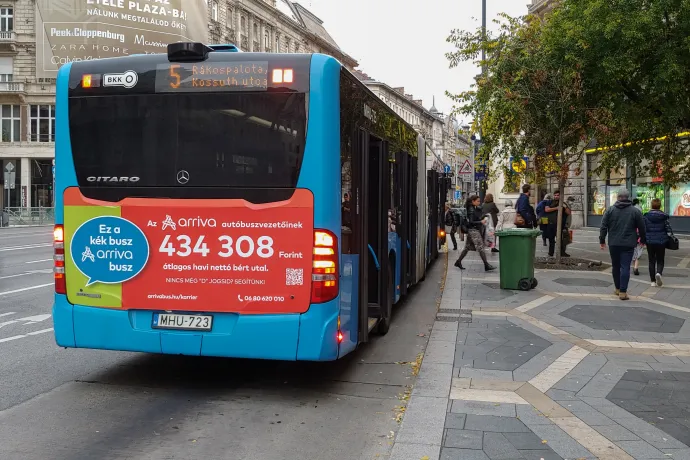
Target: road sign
[9,167]
[446,169]
[9,179]
[518,165]
[466,168]
[457,195]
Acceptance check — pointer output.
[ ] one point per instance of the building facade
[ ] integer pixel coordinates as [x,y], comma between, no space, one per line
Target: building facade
[540,7]
[27,103]
[440,131]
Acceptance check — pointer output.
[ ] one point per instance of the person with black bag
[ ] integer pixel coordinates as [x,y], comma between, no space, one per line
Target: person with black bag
[659,238]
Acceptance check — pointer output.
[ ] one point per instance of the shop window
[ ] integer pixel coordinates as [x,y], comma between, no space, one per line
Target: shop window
[679,200]
[42,183]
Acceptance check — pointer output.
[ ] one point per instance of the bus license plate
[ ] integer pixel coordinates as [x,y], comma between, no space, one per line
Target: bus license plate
[189,322]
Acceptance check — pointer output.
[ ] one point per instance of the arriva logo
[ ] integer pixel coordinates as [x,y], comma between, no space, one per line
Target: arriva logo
[112,179]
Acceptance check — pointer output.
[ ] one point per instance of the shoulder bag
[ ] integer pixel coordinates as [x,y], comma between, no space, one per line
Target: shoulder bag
[672,244]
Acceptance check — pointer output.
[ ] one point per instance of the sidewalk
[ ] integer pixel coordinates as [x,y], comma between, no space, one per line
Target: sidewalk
[566,371]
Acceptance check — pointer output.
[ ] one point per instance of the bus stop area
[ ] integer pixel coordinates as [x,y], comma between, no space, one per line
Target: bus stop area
[566,370]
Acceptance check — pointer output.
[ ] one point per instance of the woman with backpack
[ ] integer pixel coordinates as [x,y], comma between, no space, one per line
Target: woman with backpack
[474,230]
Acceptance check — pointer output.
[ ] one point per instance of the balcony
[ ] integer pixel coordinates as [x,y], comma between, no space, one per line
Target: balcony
[8,41]
[12,87]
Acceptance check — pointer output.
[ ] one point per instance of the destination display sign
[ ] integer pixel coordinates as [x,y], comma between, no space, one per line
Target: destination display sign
[184,77]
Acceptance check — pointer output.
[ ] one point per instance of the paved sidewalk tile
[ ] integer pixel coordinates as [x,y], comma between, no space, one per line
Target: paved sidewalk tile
[566,371]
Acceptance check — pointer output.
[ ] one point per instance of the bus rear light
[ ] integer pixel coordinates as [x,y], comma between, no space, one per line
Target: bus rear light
[324,278]
[339,335]
[59,259]
[86,81]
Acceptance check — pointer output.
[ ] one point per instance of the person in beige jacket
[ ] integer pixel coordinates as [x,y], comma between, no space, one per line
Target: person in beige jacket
[506,219]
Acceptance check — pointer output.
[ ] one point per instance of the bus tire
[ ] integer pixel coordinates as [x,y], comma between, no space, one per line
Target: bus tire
[384,324]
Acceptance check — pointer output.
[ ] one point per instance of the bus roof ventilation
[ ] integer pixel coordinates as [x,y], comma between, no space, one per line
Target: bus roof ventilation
[185,52]
[227,48]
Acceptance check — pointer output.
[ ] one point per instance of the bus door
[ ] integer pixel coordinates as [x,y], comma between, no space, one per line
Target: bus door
[372,216]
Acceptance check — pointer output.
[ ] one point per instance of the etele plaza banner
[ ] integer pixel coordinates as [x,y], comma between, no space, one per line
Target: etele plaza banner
[82,30]
[190,255]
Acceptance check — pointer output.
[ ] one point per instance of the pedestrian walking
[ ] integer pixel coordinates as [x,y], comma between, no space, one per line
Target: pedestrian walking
[506,219]
[449,221]
[525,217]
[639,249]
[542,218]
[490,208]
[657,226]
[622,222]
[475,237]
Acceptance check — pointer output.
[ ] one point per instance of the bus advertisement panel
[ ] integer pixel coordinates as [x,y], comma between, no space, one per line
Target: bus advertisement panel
[189,254]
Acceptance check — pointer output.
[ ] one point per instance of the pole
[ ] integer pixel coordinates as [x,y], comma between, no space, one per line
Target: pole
[482,185]
[483,35]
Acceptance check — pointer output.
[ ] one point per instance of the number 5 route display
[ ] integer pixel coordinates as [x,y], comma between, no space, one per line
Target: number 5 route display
[190,255]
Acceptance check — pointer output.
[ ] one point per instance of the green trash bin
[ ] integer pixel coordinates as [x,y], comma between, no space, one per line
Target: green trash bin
[518,249]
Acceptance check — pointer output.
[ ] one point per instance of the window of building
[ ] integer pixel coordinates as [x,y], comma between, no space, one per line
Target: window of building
[214,10]
[256,31]
[10,122]
[267,40]
[296,47]
[6,19]
[42,123]
[288,42]
[42,183]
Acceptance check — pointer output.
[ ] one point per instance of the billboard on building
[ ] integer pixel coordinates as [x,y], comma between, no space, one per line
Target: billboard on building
[79,30]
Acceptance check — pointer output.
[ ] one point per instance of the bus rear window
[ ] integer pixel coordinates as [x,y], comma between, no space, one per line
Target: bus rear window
[247,140]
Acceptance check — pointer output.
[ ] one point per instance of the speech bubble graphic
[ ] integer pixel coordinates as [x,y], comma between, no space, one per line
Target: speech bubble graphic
[109,250]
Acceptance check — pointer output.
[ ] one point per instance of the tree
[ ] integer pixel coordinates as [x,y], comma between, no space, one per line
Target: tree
[530,102]
[635,60]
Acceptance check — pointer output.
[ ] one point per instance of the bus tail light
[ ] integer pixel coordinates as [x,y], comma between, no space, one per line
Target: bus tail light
[324,277]
[59,259]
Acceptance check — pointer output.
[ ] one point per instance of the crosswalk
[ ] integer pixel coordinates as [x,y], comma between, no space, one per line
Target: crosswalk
[18,324]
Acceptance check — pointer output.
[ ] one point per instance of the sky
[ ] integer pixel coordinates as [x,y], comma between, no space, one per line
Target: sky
[403,42]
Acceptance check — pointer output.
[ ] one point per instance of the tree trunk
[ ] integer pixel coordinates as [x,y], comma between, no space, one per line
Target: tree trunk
[559,222]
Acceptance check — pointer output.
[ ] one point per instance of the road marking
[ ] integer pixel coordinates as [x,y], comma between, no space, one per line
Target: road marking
[22,235]
[30,288]
[33,246]
[15,337]
[35,319]
[7,314]
[684,263]
[38,261]
[31,272]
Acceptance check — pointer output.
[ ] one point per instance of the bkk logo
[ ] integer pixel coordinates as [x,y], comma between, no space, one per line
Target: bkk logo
[109,250]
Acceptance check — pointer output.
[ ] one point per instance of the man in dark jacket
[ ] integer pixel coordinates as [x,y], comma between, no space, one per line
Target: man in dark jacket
[657,227]
[623,223]
[525,210]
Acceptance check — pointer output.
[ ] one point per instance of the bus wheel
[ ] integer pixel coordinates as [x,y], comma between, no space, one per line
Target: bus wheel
[387,312]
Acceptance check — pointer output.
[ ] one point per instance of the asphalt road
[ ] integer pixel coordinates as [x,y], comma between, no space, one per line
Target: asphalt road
[71,404]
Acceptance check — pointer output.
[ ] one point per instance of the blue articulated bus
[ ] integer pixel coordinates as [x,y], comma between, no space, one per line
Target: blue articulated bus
[218,203]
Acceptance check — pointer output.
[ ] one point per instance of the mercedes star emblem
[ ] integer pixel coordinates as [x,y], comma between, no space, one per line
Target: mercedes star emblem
[182,176]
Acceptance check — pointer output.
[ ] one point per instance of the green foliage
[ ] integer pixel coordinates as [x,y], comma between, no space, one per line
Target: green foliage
[530,102]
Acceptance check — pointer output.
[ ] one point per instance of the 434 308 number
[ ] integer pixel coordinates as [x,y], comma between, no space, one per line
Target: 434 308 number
[243,246]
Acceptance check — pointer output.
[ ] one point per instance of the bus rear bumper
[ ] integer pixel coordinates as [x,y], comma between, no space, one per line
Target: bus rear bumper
[287,337]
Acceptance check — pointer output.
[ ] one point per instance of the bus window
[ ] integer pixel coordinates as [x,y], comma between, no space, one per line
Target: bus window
[230,140]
